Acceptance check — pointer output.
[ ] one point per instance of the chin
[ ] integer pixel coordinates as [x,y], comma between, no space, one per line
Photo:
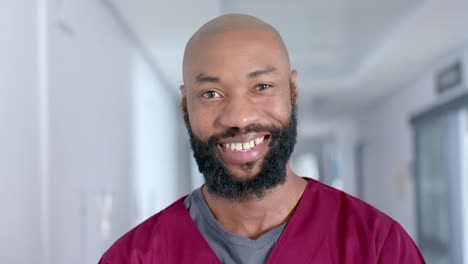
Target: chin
[243,172]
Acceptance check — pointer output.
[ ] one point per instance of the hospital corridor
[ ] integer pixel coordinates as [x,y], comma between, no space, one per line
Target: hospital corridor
[93,140]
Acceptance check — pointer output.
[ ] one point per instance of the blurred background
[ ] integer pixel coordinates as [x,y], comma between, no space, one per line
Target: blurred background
[92,140]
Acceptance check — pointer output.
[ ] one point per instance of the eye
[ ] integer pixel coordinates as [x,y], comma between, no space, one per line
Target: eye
[210,94]
[262,87]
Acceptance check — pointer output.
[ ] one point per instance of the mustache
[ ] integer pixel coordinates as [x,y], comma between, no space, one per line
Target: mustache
[234,131]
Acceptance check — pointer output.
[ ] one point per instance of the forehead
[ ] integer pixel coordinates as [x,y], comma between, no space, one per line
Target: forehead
[235,53]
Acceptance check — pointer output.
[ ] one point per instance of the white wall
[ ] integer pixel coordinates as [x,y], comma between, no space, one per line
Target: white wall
[161,160]
[90,95]
[387,134]
[68,76]
[20,208]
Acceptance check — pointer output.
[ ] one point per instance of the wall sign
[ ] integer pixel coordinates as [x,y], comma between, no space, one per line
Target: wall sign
[449,77]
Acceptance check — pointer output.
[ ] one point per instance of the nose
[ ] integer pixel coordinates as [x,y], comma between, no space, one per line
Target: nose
[238,112]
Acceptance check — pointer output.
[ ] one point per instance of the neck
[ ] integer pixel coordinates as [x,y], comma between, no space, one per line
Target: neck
[252,218]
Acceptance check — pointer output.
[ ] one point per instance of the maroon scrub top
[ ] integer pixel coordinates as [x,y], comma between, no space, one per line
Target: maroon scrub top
[328,226]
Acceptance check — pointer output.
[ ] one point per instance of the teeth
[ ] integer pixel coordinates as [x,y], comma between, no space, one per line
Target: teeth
[238,146]
[259,140]
[244,146]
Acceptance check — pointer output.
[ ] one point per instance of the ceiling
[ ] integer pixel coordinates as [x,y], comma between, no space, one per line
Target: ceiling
[347,53]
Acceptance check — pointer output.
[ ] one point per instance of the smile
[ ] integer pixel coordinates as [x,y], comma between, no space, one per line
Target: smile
[244,146]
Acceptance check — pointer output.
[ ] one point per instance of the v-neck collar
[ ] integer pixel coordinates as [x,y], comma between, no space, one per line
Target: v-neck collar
[304,228]
[230,238]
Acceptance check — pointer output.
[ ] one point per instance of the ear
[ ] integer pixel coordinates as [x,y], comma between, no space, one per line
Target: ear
[183,90]
[183,102]
[294,89]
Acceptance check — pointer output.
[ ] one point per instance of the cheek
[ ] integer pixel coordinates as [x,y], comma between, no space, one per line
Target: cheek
[200,121]
[279,109]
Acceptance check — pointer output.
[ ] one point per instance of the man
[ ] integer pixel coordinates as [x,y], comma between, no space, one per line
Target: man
[239,102]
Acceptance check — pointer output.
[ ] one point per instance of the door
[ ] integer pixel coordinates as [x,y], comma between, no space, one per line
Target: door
[438,171]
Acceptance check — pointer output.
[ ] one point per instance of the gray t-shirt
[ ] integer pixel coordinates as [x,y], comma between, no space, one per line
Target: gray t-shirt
[229,248]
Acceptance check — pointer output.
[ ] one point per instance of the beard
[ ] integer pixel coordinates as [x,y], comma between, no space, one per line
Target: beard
[220,182]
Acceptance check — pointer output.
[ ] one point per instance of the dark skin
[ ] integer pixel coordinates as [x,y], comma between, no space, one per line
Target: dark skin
[237,73]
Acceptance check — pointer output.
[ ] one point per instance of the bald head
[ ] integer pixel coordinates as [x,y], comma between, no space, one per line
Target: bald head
[232,23]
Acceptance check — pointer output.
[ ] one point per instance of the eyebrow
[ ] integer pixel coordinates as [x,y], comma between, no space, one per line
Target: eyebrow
[263,71]
[202,78]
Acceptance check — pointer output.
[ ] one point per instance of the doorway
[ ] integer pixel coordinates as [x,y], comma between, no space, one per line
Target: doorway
[440,138]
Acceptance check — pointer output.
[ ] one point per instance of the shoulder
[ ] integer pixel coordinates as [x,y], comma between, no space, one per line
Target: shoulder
[347,206]
[398,247]
[355,225]
[140,240]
